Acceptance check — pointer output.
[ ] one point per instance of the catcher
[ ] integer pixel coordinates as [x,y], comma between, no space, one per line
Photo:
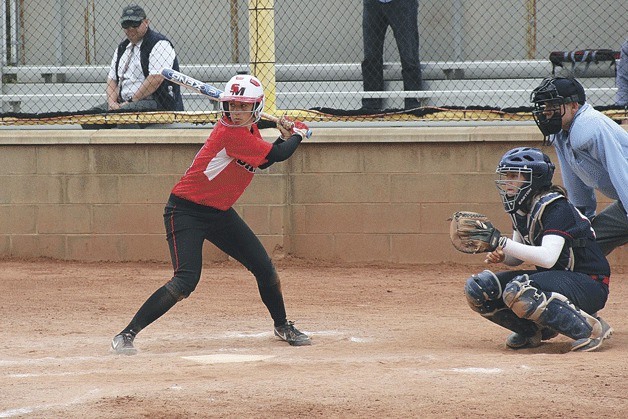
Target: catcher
[570,283]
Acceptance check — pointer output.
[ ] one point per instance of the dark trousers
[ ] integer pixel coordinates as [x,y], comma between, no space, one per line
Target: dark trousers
[611,227]
[583,291]
[401,16]
[146,105]
[188,225]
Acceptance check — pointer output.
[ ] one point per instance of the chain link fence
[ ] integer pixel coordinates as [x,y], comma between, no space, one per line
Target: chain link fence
[479,55]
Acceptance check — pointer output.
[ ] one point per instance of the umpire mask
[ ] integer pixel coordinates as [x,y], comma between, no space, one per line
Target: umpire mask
[553,124]
[549,103]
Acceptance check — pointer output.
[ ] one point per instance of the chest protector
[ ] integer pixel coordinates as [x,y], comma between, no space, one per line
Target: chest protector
[531,229]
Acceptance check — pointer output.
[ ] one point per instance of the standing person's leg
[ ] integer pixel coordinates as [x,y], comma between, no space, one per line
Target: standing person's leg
[611,227]
[403,18]
[185,235]
[374,27]
[235,238]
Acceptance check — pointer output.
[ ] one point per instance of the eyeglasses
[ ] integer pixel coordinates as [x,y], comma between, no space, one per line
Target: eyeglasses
[131,24]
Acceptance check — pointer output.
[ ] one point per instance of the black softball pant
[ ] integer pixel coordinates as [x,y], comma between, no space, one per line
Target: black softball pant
[188,225]
[582,290]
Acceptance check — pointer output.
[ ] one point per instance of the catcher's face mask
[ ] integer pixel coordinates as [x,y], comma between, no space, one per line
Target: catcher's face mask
[515,186]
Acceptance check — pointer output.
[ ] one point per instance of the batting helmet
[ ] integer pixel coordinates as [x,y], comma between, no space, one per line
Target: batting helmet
[244,88]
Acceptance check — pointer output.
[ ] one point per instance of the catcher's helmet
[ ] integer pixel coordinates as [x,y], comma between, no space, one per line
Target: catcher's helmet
[537,170]
[243,88]
[549,99]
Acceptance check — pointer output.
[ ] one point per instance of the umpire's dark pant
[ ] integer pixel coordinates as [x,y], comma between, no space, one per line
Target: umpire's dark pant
[611,227]
[188,225]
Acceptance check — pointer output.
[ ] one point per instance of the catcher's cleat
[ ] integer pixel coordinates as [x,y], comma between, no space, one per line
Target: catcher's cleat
[518,341]
[547,333]
[592,343]
[123,344]
[292,335]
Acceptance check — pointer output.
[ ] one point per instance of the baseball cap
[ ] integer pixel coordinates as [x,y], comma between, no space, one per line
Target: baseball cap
[132,13]
[571,89]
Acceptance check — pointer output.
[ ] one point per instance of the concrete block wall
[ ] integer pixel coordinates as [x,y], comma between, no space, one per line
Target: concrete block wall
[349,194]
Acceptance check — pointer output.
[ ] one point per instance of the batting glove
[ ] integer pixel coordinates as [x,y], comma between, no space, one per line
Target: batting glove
[300,129]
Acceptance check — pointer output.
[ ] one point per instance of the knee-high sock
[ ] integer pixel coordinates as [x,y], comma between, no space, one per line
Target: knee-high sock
[273,299]
[156,306]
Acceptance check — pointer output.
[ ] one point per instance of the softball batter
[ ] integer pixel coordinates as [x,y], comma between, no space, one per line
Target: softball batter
[200,208]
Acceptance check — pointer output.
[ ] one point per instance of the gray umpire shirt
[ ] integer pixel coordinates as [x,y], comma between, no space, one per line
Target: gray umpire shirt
[621,98]
[593,155]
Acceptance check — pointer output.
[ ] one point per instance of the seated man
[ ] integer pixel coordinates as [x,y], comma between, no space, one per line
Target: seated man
[134,82]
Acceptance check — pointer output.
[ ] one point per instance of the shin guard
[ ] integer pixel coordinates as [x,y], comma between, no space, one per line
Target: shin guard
[551,310]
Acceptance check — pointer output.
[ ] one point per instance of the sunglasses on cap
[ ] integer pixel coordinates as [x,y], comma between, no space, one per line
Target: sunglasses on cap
[131,24]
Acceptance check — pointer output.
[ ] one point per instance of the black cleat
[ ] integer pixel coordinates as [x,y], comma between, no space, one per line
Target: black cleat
[291,334]
[123,344]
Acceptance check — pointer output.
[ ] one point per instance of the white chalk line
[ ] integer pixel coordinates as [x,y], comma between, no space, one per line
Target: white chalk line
[56,374]
[31,409]
[50,360]
[226,358]
[477,370]
[486,371]
[47,360]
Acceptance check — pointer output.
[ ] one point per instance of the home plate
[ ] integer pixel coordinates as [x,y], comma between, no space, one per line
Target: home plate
[226,358]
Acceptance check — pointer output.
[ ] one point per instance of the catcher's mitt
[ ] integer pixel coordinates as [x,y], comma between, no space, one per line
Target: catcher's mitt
[471,232]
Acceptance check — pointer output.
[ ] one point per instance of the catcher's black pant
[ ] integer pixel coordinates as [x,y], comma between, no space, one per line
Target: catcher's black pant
[188,225]
[582,290]
[588,293]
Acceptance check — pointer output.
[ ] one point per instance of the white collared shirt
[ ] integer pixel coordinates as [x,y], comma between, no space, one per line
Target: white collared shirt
[161,56]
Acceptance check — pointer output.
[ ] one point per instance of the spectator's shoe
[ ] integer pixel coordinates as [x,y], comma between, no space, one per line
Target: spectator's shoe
[593,342]
[97,126]
[290,334]
[123,344]
[518,341]
[371,106]
[412,104]
[367,110]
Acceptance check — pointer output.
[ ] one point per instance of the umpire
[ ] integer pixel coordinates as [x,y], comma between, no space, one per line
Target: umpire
[593,153]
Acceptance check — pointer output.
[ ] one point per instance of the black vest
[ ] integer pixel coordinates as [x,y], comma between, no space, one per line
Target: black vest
[168,94]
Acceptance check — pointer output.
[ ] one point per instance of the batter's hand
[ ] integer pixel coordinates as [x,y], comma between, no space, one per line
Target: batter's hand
[293,126]
[300,129]
[496,256]
[284,127]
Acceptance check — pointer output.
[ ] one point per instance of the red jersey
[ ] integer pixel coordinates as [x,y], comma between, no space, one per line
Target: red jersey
[224,167]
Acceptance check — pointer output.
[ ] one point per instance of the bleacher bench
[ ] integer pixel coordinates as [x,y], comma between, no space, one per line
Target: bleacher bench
[488,83]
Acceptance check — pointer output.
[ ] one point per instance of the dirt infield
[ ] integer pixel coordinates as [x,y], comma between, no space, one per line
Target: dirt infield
[388,342]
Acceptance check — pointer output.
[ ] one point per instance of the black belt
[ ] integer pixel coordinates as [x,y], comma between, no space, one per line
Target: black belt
[602,278]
